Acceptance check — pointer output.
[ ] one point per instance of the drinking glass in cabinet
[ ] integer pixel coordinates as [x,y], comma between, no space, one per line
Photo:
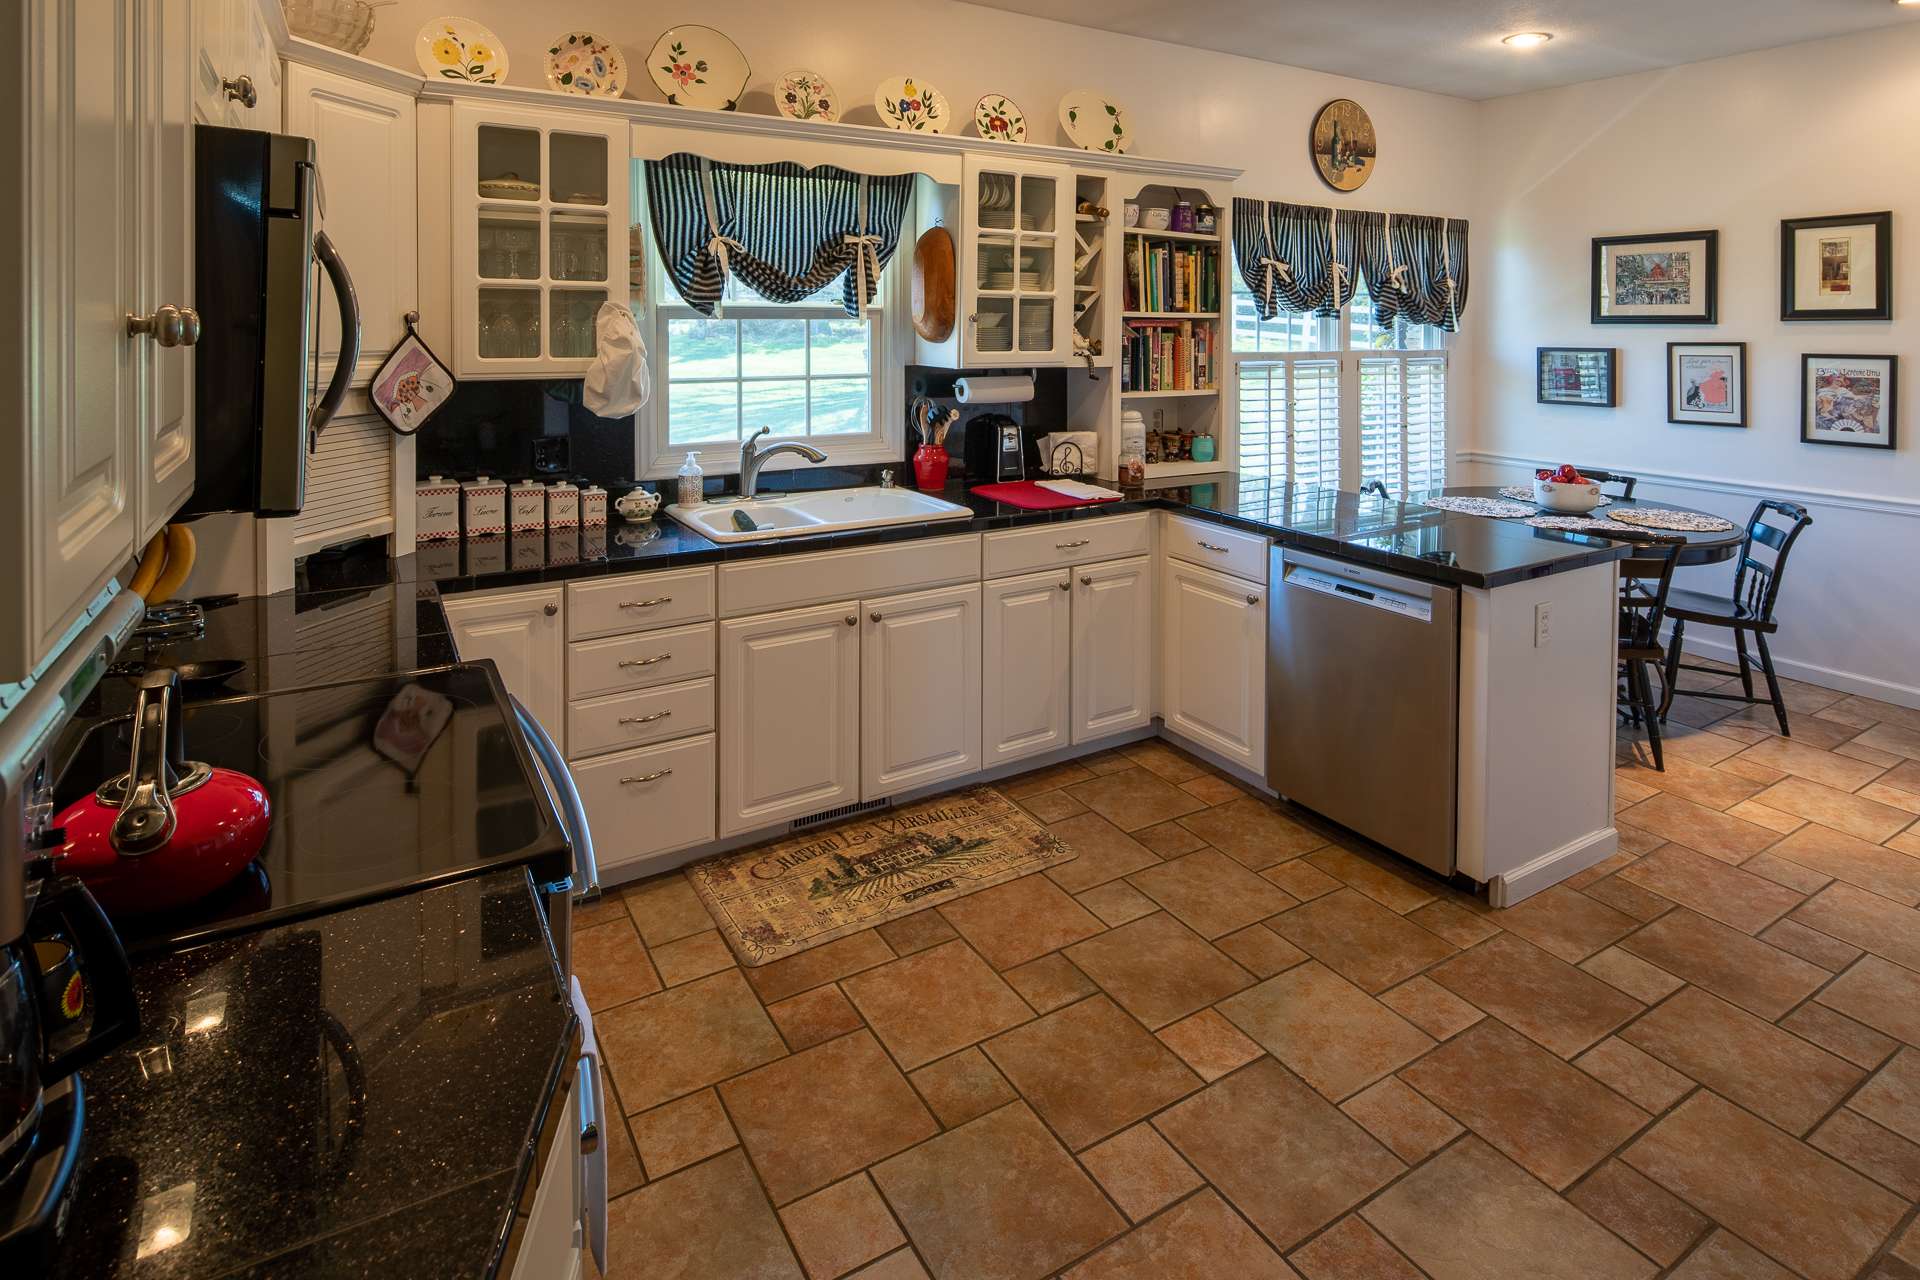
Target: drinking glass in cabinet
[574,313]
[1036,324]
[509,246]
[579,247]
[994,273]
[1036,203]
[579,168]
[509,324]
[509,163]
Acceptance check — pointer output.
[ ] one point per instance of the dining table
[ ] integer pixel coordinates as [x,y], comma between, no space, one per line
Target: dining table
[1700,548]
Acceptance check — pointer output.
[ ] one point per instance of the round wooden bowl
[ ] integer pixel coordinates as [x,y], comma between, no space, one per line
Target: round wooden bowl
[933,285]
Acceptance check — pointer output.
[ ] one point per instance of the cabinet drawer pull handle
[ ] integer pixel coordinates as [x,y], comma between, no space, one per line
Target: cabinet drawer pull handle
[550,609]
[645,662]
[646,604]
[1068,546]
[240,89]
[658,715]
[655,776]
[1253,599]
[1086,581]
[874,616]
[853,619]
[1208,546]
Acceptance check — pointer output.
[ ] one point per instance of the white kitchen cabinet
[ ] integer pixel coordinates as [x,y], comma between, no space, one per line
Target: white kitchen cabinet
[789,715]
[236,69]
[98,419]
[1015,262]
[919,689]
[1213,654]
[1026,646]
[1112,647]
[525,635]
[537,234]
[365,147]
[647,801]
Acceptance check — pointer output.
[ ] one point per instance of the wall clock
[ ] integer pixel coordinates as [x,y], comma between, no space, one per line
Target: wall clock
[1343,145]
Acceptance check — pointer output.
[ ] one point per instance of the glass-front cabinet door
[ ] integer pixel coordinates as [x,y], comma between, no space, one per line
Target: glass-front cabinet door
[1016,262]
[539,205]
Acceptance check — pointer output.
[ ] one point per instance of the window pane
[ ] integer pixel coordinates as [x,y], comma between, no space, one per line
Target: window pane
[781,405]
[840,406]
[1287,331]
[702,411]
[839,346]
[769,347]
[700,349]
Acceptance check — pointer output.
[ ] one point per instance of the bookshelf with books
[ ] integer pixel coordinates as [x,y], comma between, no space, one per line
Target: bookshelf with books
[1172,357]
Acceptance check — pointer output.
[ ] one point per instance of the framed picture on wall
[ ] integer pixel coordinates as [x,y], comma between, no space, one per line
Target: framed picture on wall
[1669,278]
[1581,376]
[1707,383]
[1850,400]
[1837,268]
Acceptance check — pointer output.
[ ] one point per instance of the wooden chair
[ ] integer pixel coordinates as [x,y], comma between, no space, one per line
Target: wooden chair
[1646,579]
[1756,589]
[1605,478]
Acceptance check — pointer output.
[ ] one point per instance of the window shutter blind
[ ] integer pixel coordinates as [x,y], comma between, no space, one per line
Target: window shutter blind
[1381,414]
[1263,419]
[1403,422]
[1426,423]
[1290,420]
[1316,422]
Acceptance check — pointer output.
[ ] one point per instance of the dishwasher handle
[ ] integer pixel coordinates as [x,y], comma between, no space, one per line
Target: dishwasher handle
[573,812]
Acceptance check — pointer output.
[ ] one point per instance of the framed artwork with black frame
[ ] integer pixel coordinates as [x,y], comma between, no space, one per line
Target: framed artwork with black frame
[1850,400]
[1838,268]
[1664,278]
[1707,384]
[1583,376]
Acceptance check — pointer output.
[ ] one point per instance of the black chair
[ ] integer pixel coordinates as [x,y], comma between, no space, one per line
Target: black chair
[1649,574]
[1756,589]
[1605,478]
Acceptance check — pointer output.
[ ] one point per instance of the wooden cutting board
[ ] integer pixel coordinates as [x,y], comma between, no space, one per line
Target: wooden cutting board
[933,285]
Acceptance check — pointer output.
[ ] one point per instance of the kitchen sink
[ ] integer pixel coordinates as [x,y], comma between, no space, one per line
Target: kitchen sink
[792,515]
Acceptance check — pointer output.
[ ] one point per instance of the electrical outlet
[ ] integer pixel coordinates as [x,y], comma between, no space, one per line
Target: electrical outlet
[1542,624]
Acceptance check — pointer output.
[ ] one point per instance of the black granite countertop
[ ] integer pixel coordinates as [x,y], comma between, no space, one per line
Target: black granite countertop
[359,1094]
[1406,537]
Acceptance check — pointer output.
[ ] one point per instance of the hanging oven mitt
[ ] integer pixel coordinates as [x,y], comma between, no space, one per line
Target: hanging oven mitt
[411,383]
[617,383]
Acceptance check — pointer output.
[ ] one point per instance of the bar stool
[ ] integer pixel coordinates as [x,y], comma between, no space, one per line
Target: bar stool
[1605,478]
[1756,589]
[1649,572]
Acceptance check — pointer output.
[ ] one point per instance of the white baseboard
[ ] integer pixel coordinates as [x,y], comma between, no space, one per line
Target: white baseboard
[1905,695]
[1552,867]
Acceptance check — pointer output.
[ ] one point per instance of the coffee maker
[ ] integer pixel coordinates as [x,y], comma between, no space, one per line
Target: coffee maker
[66,991]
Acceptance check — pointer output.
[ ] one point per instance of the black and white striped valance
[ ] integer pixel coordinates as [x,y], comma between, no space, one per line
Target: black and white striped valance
[1311,258]
[785,231]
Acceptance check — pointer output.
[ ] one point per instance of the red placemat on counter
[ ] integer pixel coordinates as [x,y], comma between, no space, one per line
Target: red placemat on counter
[1029,495]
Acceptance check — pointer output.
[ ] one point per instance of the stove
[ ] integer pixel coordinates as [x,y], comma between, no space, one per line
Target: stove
[377,786]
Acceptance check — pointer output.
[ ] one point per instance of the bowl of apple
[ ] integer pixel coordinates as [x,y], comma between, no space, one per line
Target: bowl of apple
[1566,491]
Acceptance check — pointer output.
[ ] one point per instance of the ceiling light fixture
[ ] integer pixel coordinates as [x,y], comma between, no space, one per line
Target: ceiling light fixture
[1534,39]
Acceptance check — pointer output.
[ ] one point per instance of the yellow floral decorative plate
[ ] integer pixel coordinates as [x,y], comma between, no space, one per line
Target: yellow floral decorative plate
[911,105]
[460,49]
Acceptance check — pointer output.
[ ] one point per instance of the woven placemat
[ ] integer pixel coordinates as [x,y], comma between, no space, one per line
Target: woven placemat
[1668,518]
[1491,508]
[1521,493]
[1587,524]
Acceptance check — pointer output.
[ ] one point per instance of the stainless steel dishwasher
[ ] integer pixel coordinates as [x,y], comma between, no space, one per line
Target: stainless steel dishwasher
[1362,700]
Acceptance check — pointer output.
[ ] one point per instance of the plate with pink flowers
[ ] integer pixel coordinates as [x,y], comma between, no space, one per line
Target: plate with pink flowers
[584,63]
[802,95]
[698,67]
[999,119]
[912,105]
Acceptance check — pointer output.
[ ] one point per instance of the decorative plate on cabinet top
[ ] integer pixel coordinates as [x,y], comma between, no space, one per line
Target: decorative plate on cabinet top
[1094,123]
[460,49]
[999,119]
[581,62]
[911,105]
[698,67]
[802,95]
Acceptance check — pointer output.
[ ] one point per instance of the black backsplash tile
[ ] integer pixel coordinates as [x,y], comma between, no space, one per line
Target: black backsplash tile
[1046,412]
[527,428]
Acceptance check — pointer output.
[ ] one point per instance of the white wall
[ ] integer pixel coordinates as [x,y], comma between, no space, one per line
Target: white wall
[1735,144]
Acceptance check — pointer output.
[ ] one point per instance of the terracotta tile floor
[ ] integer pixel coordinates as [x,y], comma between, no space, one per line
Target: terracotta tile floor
[1222,1044]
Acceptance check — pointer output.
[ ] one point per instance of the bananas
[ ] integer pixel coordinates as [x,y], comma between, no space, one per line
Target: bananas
[165,564]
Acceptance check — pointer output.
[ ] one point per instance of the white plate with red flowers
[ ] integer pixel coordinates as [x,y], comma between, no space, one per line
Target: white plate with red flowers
[460,49]
[998,118]
[802,95]
[911,105]
[1094,123]
[698,67]
[584,63]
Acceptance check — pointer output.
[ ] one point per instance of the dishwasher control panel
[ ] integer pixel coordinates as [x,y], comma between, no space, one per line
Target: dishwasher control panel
[1419,608]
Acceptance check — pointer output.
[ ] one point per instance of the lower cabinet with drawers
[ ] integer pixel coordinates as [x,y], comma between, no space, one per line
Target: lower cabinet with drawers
[712,703]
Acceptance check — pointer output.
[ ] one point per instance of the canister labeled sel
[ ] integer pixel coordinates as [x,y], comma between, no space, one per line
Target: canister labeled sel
[563,505]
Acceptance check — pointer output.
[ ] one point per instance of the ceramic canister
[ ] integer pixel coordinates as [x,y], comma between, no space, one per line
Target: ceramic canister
[593,507]
[485,501]
[563,505]
[527,507]
[436,509]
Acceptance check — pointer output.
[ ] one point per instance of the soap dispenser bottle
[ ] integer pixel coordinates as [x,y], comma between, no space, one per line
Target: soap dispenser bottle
[692,480]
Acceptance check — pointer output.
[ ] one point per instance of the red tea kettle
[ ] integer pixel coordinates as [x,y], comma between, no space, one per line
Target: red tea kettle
[170,830]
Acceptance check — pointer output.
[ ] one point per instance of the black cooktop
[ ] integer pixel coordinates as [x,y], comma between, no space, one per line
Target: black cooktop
[377,786]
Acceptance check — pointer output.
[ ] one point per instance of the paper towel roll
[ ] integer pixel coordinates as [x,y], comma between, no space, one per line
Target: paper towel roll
[993,390]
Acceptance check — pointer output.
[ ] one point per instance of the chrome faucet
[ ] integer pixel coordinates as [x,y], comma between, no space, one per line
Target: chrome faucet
[1374,486]
[751,459]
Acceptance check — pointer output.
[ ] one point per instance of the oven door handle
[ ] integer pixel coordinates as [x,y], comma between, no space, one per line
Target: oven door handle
[336,269]
[573,813]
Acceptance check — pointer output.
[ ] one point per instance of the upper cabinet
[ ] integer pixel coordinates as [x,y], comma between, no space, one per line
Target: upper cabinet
[537,236]
[236,70]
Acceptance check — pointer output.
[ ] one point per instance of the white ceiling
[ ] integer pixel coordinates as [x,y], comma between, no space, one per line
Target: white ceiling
[1453,46]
